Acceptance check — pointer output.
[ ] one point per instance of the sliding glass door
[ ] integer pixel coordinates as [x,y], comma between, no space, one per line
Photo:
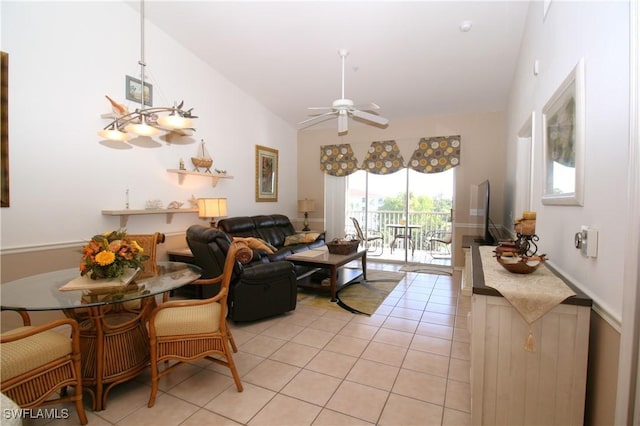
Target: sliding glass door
[411,211]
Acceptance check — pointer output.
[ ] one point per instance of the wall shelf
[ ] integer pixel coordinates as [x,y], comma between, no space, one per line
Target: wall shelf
[214,177]
[124,214]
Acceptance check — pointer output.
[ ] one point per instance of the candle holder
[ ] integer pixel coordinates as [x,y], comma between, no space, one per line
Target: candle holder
[526,244]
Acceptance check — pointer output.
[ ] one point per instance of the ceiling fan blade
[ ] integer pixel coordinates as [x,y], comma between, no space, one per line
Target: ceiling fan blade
[367,107]
[342,122]
[328,107]
[370,117]
[318,116]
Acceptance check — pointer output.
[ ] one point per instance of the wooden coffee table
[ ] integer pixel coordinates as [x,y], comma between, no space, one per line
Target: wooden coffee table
[320,258]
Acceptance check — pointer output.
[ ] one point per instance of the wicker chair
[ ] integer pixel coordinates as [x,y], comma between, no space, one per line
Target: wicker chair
[37,362]
[149,242]
[188,330]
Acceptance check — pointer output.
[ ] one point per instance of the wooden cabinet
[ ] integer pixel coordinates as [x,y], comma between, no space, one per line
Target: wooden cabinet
[467,282]
[513,386]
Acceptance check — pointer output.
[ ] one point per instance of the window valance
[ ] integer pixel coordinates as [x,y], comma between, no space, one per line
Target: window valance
[433,155]
[338,160]
[383,158]
[436,154]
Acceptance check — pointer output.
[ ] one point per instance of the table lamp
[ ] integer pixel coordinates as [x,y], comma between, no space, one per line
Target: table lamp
[305,206]
[212,208]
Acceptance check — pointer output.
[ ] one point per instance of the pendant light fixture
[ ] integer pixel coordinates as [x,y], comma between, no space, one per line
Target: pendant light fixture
[145,121]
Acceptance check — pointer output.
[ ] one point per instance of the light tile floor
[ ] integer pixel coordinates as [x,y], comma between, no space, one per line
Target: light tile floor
[408,364]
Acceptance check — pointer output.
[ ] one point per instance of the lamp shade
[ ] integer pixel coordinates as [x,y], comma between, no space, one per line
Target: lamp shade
[212,207]
[175,122]
[114,135]
[142,129]
[305,205]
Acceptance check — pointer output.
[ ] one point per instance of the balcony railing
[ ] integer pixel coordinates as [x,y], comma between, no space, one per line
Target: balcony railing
[432,224]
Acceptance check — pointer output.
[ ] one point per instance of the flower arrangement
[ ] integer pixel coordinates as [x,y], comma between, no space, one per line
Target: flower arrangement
[109,255]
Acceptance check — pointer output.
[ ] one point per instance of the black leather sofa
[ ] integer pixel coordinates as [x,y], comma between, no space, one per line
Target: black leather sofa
[258,290]
[276,230]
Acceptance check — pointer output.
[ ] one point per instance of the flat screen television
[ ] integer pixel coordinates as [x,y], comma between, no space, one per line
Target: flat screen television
[482,211]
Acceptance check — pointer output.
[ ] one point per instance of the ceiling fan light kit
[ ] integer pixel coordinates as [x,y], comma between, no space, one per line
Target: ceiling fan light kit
[344,108]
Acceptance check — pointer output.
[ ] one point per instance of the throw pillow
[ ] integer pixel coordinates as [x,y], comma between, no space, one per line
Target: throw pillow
[301,238]
[256,243]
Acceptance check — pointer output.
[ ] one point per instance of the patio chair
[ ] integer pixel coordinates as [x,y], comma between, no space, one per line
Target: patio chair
[37,362]
[442,237]
[371,241]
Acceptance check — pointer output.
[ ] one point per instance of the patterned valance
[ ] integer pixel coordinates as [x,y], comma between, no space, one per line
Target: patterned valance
[437,154]
[338,160]
[383,158]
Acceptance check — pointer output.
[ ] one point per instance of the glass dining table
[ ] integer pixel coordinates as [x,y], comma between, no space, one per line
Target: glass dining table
[113,331]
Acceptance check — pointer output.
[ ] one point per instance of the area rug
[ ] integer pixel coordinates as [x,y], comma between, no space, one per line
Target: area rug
[359,297]
[428,269]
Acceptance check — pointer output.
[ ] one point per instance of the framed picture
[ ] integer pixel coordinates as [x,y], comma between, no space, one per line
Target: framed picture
[563,124]
[266,174]
[133,89]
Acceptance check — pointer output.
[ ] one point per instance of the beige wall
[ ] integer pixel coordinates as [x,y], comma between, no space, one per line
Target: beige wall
[482,157]
[602,372]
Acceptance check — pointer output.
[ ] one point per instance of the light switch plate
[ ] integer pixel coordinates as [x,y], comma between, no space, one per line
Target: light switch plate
[592,246]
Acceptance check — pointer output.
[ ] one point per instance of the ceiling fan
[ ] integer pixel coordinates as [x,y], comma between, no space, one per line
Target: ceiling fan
[344,108]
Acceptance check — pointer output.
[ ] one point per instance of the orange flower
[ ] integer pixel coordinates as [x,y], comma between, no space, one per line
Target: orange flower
[107,255]
[105,258]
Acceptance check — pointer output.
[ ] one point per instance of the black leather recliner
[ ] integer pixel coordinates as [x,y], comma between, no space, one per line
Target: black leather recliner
[257,291]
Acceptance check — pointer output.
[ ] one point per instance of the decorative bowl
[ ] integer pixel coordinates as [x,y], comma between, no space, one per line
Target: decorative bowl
[343,246]
[521,264]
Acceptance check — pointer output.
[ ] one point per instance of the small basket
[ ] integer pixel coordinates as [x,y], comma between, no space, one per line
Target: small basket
[343,246]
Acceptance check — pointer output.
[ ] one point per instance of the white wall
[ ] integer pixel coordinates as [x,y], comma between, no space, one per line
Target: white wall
[599,33]
[64,58]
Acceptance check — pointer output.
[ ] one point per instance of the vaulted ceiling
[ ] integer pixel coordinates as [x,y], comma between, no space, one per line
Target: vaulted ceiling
[411,58]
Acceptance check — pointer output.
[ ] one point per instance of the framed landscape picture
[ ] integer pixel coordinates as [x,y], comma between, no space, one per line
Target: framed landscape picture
[266,174]
[563,124]
[133,88]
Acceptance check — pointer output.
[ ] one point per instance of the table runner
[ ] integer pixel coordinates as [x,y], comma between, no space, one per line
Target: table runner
[532,295]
